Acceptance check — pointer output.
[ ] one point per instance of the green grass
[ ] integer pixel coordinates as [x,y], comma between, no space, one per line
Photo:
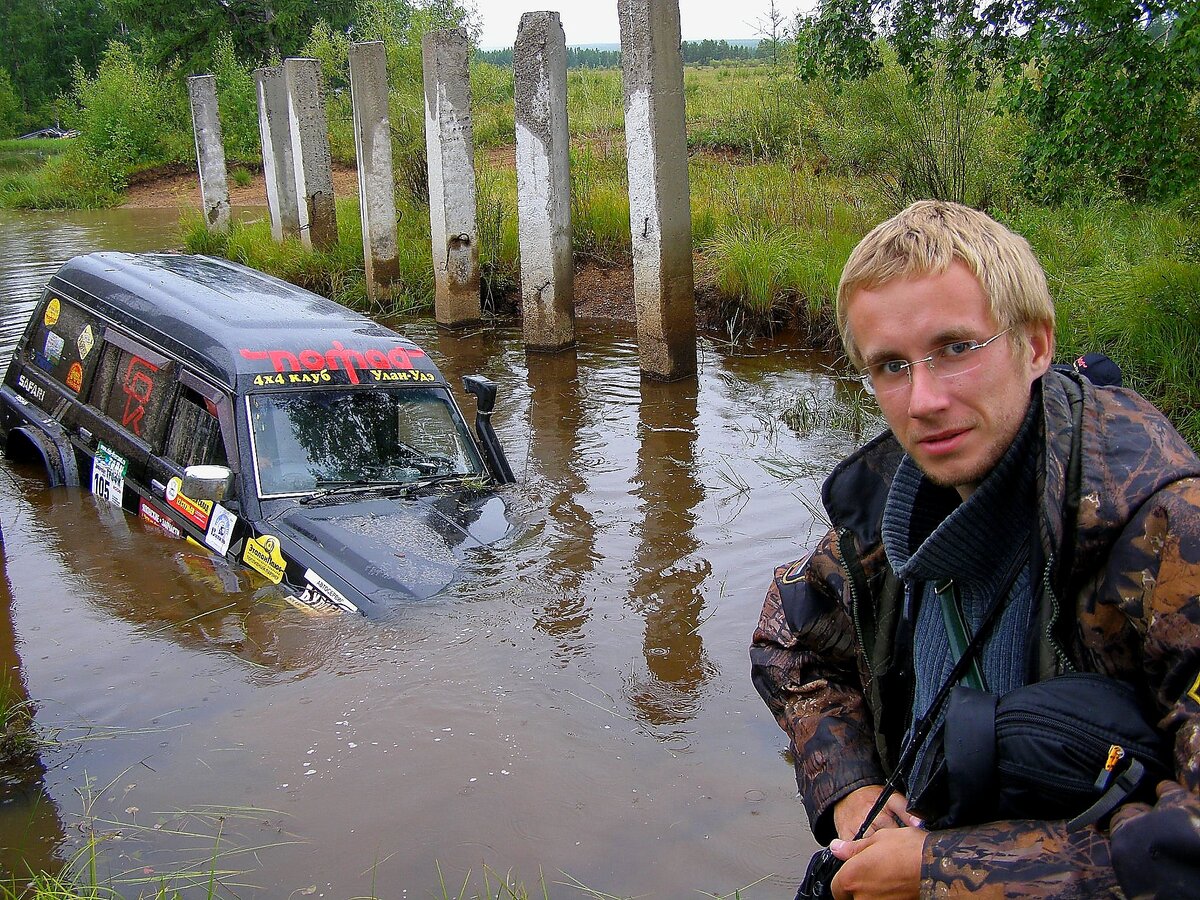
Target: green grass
[19,738]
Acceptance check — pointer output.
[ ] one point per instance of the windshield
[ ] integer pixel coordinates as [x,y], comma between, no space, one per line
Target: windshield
[306,441]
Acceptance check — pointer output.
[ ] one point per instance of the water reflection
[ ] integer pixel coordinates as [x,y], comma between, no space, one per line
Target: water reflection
[164,586]
[556,419]
[668,573]
[31,830]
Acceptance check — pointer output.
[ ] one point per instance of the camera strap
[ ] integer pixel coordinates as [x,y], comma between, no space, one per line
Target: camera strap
[921,728]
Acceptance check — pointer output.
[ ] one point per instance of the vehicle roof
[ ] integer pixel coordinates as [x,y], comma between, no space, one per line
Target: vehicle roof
[231,321]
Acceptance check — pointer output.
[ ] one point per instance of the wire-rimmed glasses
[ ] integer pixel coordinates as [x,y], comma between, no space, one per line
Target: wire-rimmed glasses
[953,359]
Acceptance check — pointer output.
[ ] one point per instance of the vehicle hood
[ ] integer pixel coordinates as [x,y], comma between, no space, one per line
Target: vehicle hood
[391,550]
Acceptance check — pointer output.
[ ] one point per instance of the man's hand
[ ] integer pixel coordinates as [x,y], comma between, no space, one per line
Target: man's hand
[849,812]
[885,865]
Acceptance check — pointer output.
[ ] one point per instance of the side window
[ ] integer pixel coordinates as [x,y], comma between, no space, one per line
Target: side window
[194,434]
[64,343]
[132,391]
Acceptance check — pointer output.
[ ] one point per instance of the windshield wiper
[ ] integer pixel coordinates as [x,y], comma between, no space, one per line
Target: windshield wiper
[330,487]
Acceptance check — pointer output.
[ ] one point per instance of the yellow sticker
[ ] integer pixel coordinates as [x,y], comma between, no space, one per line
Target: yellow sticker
[196,511]
[85,342]
[263,556]
[52,311]
[1194,690]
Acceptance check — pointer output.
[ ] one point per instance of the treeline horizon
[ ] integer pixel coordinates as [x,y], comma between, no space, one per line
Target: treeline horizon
[696,53]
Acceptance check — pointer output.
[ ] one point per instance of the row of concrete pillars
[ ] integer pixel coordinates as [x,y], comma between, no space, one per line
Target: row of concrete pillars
[299,177]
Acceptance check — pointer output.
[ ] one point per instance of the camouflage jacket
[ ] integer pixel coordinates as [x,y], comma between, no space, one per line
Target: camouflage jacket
[1119,541]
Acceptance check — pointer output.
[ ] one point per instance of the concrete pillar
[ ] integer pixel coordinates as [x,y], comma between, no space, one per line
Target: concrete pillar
[659,206]
[210,153]
[310,152]
[544,182]
[451,153]
[275,133]
[373,148]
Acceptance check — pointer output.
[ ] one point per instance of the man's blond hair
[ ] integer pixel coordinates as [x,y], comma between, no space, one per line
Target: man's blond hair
[926,239]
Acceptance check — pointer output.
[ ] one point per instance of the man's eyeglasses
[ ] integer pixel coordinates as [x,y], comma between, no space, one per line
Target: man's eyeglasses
[957,358]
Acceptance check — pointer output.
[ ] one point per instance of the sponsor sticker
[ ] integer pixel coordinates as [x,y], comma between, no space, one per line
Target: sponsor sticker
[262,554]
[85,342]
[195,511]
[52,312]
[54,347]
[220,529]
[36,391]
[319,594]
[158,519]
[75,377]
[108,475]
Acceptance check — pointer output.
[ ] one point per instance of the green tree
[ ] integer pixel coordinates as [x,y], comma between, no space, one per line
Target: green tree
[129,116]
[186,34]
[12,114]
[1108,86]
[41,40]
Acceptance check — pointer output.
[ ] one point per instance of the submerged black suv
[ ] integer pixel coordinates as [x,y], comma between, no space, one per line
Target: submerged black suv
[271,425]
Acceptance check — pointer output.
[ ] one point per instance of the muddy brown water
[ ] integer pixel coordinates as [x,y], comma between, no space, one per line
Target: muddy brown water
[575,710]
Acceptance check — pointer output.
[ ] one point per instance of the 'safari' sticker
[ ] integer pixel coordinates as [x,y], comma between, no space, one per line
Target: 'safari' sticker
[52,311]
[262,554]
[108,475]
[196,511]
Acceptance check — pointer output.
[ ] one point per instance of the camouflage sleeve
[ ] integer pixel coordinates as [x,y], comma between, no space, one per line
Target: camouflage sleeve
[803,664]
[1152,584]
[1156,849]
[1018,860]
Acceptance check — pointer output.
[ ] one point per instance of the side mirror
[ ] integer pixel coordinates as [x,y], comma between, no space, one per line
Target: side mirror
[208,483]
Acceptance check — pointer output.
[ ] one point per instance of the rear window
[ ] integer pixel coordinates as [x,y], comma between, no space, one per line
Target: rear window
[64,344]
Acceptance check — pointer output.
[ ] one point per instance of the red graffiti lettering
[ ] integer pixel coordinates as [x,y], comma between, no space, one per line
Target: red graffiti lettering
[138,386]
[337,357]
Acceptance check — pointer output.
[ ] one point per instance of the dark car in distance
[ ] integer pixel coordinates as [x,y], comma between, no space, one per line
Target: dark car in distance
[274,427]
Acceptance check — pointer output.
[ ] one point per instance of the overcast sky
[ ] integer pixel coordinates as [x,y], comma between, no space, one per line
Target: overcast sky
[595,21]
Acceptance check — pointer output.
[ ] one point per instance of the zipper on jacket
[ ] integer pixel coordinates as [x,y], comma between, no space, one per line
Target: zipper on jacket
[1059,653]
[845,536]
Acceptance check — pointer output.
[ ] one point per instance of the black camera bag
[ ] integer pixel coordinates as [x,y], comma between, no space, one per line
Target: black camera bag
[1042,751]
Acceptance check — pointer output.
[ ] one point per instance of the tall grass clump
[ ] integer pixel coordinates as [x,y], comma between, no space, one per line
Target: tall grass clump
[1126,282]
[940,137]
[595,101]
[754,115]
[600,201]
[336,272]
[752,264]
[499,251]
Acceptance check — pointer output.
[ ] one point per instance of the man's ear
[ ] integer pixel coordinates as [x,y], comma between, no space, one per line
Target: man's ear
[1040,336]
